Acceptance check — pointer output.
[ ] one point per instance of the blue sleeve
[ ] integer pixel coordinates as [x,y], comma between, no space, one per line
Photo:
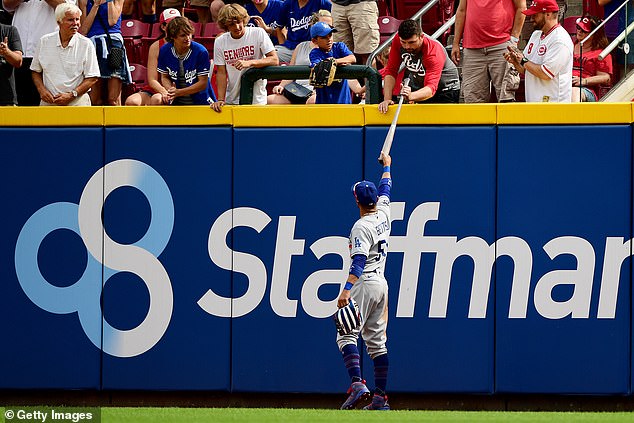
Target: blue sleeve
[358,263]
[161,65]
[326,4]
[202,62]
[315,56]
[341,50]
[210,91]
[385,187]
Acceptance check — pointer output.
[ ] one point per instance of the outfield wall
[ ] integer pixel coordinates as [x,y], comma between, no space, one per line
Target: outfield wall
[145,250]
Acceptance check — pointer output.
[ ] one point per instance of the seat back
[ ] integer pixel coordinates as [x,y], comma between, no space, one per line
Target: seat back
[132,28]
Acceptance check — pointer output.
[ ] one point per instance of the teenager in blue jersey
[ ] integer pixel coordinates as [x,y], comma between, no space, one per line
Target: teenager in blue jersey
[266,15]
[296,17]
[339,91]
[184,66]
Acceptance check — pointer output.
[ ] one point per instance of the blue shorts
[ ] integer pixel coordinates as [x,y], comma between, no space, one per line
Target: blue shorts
[123,73]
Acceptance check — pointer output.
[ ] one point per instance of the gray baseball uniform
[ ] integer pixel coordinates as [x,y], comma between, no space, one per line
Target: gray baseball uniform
[369,237]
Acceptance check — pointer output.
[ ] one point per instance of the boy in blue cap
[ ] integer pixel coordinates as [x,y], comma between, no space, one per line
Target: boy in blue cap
[338,92]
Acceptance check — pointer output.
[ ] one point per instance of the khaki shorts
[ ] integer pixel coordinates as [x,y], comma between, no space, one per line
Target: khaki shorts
[357,26]
[483,67]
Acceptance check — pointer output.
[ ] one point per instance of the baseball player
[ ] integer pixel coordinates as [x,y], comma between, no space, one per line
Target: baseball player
[366,284]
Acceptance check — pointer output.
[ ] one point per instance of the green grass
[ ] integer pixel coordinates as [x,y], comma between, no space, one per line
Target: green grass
[190,415]
[266,415]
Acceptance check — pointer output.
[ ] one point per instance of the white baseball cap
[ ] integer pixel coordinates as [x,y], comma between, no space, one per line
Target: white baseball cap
[169,14]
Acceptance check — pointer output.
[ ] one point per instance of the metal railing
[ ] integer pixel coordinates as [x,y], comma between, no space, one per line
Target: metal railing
[373,93]
[418,15]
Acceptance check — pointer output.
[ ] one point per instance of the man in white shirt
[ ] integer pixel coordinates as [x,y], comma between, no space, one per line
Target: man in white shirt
[65,63]
[239,49]
[547,58]
[32,18]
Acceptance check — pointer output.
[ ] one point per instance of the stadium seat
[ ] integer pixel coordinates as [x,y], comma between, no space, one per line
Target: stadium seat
[440,13]
[211,29]
[388,25]
[570,25]
[132,32]
[132,28]
[139,73]
[139,78]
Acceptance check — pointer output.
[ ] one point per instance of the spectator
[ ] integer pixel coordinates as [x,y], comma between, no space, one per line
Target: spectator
[487,28]
[184,66]
[102,24]
[433,77]
[296,16]
[588,72]
[357,23]
[301,56]
[339,91]
[547,58]
[153,93]
[235,51]
[65,65]
[32,19]
[266,14]
[529,27]
[10,58]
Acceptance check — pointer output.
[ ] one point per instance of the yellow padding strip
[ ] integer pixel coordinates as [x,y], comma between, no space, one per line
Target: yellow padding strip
[166,116]
[434,114]
[319,115]
[562,114]
[51,116]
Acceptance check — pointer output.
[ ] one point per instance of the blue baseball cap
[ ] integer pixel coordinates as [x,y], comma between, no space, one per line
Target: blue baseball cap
[321,29]
[366,193]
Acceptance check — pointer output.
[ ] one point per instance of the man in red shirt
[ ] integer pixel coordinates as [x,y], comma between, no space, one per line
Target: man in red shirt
[433,77]
[487,28]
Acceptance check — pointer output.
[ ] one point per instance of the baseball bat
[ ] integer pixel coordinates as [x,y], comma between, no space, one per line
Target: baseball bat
[387,144]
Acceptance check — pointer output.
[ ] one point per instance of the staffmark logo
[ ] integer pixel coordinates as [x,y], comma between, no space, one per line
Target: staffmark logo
[141,258]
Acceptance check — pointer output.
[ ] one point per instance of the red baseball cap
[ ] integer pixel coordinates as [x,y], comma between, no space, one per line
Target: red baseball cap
[168,14]
[538,6]
[585,24]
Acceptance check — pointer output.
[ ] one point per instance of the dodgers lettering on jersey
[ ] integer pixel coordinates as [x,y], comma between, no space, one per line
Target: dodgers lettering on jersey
[369,236]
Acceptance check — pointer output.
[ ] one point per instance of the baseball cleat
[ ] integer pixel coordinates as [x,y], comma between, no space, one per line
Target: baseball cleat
[379,402]
[358,393]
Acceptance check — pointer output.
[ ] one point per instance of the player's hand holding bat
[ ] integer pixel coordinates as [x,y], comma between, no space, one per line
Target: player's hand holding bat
[385,159]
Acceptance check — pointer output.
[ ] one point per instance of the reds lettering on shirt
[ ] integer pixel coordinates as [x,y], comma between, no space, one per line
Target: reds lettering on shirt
[242,53]
[413,64]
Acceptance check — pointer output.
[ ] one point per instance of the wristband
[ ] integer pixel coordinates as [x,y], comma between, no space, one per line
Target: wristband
[348,286]
[386,169]
[514,39]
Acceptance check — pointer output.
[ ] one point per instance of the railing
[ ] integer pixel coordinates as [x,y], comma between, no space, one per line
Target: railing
[373,93]
[417,15]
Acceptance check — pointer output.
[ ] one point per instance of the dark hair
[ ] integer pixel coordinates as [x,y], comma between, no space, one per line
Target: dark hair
[177,25]
[599,40]
[408,28]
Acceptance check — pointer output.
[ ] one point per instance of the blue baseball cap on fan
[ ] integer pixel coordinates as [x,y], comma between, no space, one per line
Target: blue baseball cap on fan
[321,29]
[366,193]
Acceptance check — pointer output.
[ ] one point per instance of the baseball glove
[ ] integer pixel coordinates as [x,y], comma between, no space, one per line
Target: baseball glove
[347,318]
[323,73]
